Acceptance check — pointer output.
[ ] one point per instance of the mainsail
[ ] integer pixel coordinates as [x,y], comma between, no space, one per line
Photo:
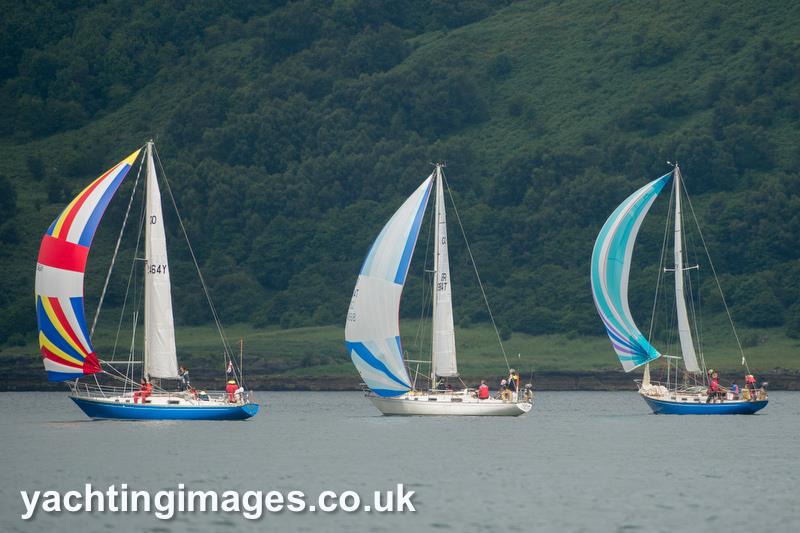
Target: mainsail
[63,333]
[159,331]
[684,331]
[611,263]
[443,354]
[372,332]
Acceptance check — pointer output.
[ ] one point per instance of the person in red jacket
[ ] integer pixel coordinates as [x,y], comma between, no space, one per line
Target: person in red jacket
[483,391]
[714,391]
[145,390]
[138,394]
[750,384]
[231,389]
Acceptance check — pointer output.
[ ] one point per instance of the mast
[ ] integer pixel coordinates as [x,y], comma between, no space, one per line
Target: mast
[684,330]
[443,344]
[435,278]
[148,154]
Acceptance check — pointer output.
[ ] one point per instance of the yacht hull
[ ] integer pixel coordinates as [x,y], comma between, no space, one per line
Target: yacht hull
[126,411]
[411,405]
[731,407]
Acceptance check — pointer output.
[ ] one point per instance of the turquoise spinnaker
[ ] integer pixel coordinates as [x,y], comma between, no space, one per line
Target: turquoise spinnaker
[611,264]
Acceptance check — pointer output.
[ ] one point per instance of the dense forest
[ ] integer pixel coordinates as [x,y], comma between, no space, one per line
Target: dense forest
[291,130]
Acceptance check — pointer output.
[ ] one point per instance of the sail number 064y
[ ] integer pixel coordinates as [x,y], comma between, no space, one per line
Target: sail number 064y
[155,269]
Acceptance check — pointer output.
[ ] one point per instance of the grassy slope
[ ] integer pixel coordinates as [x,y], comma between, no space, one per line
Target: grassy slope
[319,351]
[552,46]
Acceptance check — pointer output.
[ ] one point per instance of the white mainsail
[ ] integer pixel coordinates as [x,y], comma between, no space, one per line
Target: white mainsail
[684,331]
[159,330]
[443,355]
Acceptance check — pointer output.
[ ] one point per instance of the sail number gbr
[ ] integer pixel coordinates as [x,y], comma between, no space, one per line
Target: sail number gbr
[441,285]
[152,268]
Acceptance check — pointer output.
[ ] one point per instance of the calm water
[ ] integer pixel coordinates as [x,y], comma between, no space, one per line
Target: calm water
[578,462]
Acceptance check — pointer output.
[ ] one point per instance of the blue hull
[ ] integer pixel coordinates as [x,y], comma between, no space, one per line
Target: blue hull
[661,407]
[96,409]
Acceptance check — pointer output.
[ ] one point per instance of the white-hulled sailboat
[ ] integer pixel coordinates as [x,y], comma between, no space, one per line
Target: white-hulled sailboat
[611,263]
[65,340]
[372,331]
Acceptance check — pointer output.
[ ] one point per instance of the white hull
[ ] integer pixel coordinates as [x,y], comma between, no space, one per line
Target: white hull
[447,404]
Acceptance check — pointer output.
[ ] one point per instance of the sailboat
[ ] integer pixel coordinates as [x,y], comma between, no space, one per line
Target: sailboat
[65,340]
[693,391]
[372,330]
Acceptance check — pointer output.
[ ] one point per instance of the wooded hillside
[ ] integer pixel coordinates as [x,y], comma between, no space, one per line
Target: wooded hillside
[290,131]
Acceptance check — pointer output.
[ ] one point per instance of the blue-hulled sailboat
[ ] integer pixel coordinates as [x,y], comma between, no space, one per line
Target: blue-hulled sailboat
[696,390]
[107,389]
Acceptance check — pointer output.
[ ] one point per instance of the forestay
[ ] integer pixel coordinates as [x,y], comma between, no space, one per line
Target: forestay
[372,332]
[159,331]
[443,354]
[610,269]
[63,333]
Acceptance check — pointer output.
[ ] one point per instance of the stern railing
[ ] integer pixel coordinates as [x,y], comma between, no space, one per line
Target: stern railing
[94,392]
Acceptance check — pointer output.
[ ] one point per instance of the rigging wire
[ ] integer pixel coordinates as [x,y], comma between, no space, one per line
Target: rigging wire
[719,287]
[696,310]
[214,314]
[688,286]
[477,275]
[660,267]
[116,250]
[425,300]
[131,276]
[122,376]
[138,295]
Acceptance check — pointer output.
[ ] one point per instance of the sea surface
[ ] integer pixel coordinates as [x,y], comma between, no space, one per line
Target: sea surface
[580,461]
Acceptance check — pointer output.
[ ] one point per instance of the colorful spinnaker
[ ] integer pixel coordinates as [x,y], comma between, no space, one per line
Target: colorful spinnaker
[611,264]
[372,333]
[63,333]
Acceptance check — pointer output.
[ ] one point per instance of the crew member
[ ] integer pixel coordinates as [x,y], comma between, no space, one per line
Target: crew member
[750,384]
[145,390]
[483,391]
[231,389]
[713,389]
[528,392]
[505,394]
[138,394]
[734,391]
[513,380]
[183,372]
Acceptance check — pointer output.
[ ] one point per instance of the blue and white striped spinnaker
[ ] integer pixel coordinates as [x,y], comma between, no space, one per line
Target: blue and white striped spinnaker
[611,265]
[372,332]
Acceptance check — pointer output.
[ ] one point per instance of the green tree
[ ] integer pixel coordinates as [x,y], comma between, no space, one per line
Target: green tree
[8,199]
